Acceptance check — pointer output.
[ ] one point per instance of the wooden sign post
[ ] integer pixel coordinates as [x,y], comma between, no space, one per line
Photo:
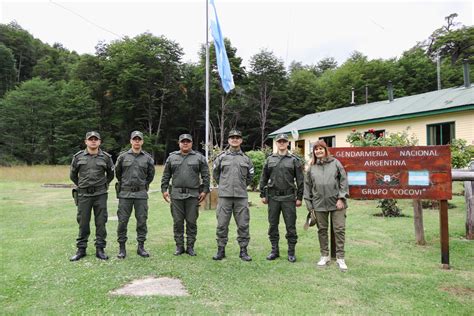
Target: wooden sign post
[415,172]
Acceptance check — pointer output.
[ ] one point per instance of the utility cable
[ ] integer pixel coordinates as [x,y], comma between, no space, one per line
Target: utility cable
[86,19]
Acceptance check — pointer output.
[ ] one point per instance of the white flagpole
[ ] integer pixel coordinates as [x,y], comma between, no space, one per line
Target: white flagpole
[207,81]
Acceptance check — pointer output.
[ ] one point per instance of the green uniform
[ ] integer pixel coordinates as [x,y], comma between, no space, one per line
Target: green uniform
[92,175]
[189,174]
[325,183]
[134,173]
[233,172]
[282,183]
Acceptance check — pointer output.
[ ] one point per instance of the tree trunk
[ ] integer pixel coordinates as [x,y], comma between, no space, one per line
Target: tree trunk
[263,114]
[265,99]
[468,189]
[222,123]
[160,119]
[418,220]
[19,68]
[149,115]
[212,136]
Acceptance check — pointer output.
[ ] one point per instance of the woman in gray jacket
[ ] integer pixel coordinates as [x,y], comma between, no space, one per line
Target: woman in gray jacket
[325,192]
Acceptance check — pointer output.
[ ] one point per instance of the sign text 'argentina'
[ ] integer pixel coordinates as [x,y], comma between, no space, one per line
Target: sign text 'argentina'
[415,172]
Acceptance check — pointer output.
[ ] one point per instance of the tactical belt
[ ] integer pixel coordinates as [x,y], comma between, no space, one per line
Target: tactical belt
[92,190]
[184,190]
[134,188]
[281,192]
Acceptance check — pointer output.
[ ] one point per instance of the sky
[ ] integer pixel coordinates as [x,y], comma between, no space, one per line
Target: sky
[305,31]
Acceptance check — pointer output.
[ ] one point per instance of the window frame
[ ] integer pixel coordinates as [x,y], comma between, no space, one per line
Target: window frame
[333,140]
[376,133]
[429,141]
[300,143]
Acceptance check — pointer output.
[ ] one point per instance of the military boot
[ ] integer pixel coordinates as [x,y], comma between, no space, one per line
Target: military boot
[244,255]
[122,251]
[80,253]
[275,253]
[220,253]
[291,253]
[190,250]
[179,250]
[99,253]
[141,250]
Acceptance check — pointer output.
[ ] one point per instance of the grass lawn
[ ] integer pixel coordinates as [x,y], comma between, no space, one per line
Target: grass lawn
[388,273]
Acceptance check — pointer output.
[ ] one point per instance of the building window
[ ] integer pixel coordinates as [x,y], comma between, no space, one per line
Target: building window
[440,134]
[299,148]
[377,133]
[329,140]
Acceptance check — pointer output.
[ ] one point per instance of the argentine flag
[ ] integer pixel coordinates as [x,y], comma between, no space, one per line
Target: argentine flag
[223,65]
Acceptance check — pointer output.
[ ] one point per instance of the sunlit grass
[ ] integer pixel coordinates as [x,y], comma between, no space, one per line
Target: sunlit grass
[38,174]
[41,173]
[388,273]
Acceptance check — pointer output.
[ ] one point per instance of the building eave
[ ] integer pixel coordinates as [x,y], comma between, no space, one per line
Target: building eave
[466,107]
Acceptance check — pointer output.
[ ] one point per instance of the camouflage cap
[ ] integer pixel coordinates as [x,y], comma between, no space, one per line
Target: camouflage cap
[234,132]
[185,136]
[92,134]
[136,134]
[281,137]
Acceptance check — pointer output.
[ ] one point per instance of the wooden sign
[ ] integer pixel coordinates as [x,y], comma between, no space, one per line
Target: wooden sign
[415,172]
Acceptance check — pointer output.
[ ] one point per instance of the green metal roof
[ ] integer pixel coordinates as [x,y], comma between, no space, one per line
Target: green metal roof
[429,103]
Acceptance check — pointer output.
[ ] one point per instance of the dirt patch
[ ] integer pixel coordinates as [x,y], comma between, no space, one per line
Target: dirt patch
[153,286]
[57,185]
[343,302]
[365,242]
[459,291]
[406,275]
[381,215]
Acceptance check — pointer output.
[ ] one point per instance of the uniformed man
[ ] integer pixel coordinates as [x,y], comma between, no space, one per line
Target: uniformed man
[281,187]
[189,172]
[91,171]
[233,172]
[135,170]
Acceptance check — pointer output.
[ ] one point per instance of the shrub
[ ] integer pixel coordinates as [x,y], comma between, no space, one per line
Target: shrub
[8,160]
[358,139]
[258,159]
[461,153]
[213,152]
[389,208]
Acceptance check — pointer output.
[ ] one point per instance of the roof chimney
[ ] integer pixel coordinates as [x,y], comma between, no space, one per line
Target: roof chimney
[467,80]
[366,94]
[353,96]
[390,91]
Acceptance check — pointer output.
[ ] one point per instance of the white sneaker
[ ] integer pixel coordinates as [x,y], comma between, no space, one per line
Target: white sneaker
[341,264]
[323,262]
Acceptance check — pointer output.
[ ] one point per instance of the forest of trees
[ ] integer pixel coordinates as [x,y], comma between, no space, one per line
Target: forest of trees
[50,96]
